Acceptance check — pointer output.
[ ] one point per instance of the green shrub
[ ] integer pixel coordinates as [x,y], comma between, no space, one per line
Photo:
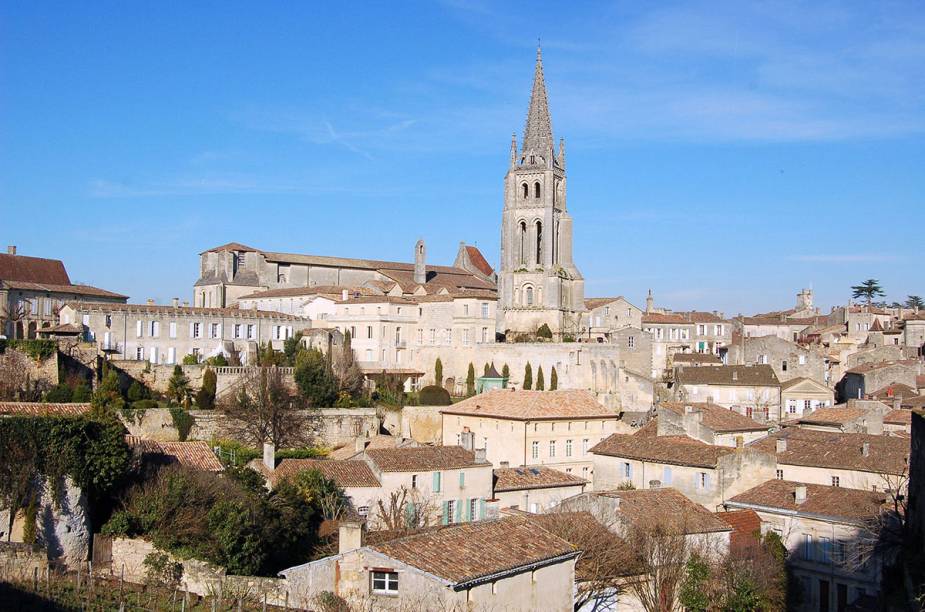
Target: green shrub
[544,332]
[119,524]
[190,359]
[540,381]
[59,394]
[136,392]
[470,380]
[309,452]
[433,395]
[182,420]
[205,397]
[553,380]
[145,404]
[343,400]
[326,601]
[82,393]
[218,361]
[528,377]
[40,350]
[160,570]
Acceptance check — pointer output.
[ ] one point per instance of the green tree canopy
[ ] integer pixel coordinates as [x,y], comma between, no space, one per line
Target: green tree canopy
[315,378]
[868,290]
[915,301]
[291,347]
[205,397]
[178,388]
[506,371]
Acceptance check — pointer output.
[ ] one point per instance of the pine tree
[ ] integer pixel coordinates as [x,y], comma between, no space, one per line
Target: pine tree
[553,380]
[540,382]
[915,301]
[868,290]
[438,372]
[470,380]
[528,377]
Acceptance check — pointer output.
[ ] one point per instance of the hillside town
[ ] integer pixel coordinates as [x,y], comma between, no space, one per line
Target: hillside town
[319,432]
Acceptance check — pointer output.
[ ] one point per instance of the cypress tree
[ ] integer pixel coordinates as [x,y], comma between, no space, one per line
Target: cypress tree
[528,377]
[540,383]
[470,380]
[553,380]
[438,372]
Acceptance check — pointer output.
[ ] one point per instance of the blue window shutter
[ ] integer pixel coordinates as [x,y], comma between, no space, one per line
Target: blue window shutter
[409,514]
[706,480]
[462,479]
[445,518]
[436,487]
[482,509]
[459,510]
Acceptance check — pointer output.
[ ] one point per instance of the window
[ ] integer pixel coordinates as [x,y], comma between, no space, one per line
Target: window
[484,334]
[839,552]
[536,189]
[539,239]
[451,512]
[473,509]
[802,360]
[197,330]
[552,448]
[462,480]
[214,330]
[702,480]
[385,583]
[251,332]
[108,320]
[808,547]
[792,406]
[236,330]
[525,189]
[529,293]
[139,329]
[155,329]
[762,359]
[783,365]
[414,481]
[584,447]
[701,330]
[484,310]
[631,342]
[465,335]
[825,550]
[433,336]
[627,470]
[535,450]
[568,448]
[584,472]
[666,475]
[369,354]
[140,353]
[718,330]
[363,510]
[836,481]
[780,474]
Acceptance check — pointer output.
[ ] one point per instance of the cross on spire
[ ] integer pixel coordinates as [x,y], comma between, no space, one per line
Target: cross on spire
[538,129]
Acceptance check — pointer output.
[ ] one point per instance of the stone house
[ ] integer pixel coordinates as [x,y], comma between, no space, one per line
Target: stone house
[535,489]
[779,325]
[875,354]
[861,319]
[914,332]
[868,378]
[705,474]
[708,423]
[750,390]
[788,359]
[33,290]
[712,332]
[354,476]
[504,564]
[608,314]
[827,533]
[165,334]
[851,460]
[671,333]
[799,396]
[533,428]
[856,416]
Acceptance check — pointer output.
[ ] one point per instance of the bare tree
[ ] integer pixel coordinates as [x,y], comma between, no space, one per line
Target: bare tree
[662,552]
[16,377]
[405,511]
[349,376]
[265,409]
[10,316]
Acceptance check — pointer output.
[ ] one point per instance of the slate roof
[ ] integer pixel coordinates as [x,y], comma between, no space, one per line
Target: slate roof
[840,502]
[33,269]
[348,473]
[464,553]
[536,477]
[196,454]
[730,375]
[423,458]
[717,418]
[43,409]
[672,450]
[533,405]
[837,450]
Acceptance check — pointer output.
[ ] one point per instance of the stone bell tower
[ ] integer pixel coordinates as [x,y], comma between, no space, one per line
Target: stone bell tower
[538,282]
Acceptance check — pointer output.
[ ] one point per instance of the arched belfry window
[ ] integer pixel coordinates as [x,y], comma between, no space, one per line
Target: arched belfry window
[536,189]
[523,241]
[539,243]
[529,293]
[526,190]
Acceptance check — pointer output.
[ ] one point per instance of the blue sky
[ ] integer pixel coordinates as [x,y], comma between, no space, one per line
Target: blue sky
[724,155]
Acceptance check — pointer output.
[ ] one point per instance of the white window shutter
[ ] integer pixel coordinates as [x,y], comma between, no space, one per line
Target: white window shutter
[139,328]
[219,331]
[191,331]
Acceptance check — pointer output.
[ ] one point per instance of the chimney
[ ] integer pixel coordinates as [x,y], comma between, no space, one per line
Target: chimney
[420,268]
[740,442]
[480,455]
[781,445]
[616,503]
[799,494]
[11,250]
[344,295]
[735,375]
[175,302]
[269,455]
[359,444]
[150,302]
[865,449]
[505,464]
[185,303]
[349,536]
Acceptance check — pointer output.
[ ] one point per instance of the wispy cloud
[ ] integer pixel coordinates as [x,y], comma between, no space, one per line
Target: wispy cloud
[102,188]
[844,258]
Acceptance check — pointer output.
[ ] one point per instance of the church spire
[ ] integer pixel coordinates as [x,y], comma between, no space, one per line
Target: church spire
[538,130]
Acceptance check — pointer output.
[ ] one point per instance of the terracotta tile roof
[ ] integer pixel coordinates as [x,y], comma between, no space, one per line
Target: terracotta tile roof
[730,375]
[194,454]
[232,246]
[852,504]
[464,553]
[76,290]
[350,473]
[898,417]
[423,458]
[33,269]
[717,418]
[657,317]
[745,526]
[697,316]
[697,358]
[666,507]
[478,260]
[673,450]
[793,382]
[836,450]
[330,290]
[349,451]
[537,477]
[453,281]
[920,381]
[597,302]
[61,329]
[42,409]
[533,405]
[835,415]
[894,390]
[191,311]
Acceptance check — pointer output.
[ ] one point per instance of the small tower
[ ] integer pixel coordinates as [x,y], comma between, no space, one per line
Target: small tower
[650,303]
[805,299]
[420,268]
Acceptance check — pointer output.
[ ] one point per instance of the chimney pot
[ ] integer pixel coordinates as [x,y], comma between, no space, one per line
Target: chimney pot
[11,250]
[185,303]
[269,455]
[800,494]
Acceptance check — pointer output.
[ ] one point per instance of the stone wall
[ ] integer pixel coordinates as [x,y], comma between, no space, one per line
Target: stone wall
[21,561]
[424,424]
